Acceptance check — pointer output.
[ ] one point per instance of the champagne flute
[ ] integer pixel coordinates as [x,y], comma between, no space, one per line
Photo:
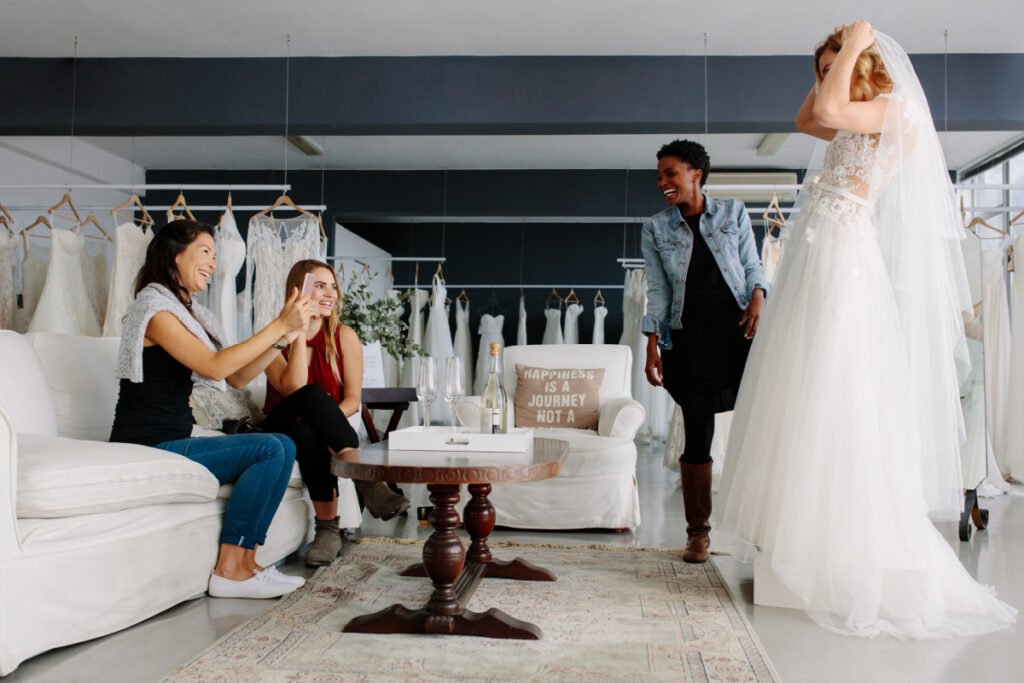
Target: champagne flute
[454,387]
[426,387]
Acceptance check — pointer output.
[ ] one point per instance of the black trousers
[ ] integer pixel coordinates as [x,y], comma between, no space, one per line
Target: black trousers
[313,421]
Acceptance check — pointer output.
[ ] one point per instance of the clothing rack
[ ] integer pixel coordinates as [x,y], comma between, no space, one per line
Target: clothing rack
[399,259]
[254,207]
[577,287]
[152,186]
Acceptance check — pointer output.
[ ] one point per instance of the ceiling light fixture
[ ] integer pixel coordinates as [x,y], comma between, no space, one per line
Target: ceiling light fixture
[307,145]
[771,143]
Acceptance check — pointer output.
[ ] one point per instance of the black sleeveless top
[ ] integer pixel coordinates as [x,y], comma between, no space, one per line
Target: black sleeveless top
[156,409]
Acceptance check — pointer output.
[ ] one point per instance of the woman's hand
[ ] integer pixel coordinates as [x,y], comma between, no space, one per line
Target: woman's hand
[858,36]
[752,315]
[297,312]
[652,368]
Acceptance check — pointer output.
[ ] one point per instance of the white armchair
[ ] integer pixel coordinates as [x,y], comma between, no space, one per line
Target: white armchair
[596,487]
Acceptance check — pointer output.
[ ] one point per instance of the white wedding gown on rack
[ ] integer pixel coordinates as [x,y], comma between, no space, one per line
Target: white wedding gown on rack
[600,313]
[521,338]
[231,252]
[64,306]
[463,344]
[571,331]
[655,400]
[33,278]
[8,246]
[417,300]
[96,274]
[553,326]
[275,245]
[130,253]
[996,321]
[437,344]
[491,332]
[824,472]
[1014,434]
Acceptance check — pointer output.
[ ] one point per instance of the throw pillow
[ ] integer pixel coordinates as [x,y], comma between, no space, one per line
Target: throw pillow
[552,397]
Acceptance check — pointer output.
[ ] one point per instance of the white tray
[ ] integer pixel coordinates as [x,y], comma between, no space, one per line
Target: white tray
[443,439]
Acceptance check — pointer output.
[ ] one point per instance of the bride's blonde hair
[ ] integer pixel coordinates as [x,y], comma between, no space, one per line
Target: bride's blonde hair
[870,77]
[330,323]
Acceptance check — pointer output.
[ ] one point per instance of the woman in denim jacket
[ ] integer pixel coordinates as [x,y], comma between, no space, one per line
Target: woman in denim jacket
[705,292]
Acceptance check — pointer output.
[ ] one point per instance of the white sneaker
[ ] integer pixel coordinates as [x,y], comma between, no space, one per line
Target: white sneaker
[286,579]
[260,586]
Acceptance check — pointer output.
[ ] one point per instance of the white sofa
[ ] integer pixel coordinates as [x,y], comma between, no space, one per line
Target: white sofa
[95,536]
[596,487]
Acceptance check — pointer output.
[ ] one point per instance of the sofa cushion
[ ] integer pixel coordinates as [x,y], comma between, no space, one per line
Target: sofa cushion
[552,397]
[80,374]
[592,455]
[60,477]
[24,392]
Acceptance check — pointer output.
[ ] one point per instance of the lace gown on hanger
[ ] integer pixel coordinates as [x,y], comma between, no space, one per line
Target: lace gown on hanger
[64,305]
[998,340]
[230,259]
[571,330]
[521,338]
[130,253]
[1014,431]
[829,486]
[33,277]
[437,344]
[8,247]
[96,274]
[417,300]
[553,326]
[275,245]
[600,313]
[463,343]
[491,332]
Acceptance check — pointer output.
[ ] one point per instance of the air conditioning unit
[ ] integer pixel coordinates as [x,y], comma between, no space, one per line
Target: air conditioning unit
[755,187]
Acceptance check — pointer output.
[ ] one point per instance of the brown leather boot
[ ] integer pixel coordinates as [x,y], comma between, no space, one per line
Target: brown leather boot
[696,481]
[381,501]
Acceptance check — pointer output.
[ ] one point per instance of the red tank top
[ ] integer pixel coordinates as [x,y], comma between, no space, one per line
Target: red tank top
[320,372]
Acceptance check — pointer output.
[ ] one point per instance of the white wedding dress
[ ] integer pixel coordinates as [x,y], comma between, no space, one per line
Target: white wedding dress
[96,274]
[464,343]
[64,306]
[130,253]
[491,332]
[437,344]
[1014,430]
[824,471]
[600,313]
[417,300]
[553,326]
[8,245]
[571,330]
[230,259]
[998,339]
[33,278]
[275,245]
[521,338]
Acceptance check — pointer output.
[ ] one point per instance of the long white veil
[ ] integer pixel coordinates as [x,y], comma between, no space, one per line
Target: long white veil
[919,234]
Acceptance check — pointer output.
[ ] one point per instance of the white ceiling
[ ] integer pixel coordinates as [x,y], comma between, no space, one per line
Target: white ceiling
[413,152]
[236,28]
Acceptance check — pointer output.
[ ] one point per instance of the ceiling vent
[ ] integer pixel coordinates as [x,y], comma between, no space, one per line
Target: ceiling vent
[767,183]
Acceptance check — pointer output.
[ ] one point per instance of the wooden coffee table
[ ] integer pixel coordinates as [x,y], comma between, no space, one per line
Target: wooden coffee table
[444,557]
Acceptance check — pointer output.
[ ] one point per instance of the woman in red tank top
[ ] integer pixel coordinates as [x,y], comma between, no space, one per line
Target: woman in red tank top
[313,387]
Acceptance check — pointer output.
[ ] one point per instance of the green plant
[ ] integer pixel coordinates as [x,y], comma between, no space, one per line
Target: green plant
[374,320]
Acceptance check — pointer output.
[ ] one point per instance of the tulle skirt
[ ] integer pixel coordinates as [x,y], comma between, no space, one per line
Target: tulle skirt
[823,470]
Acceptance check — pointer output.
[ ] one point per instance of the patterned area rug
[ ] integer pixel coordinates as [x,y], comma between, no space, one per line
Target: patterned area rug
[613,615]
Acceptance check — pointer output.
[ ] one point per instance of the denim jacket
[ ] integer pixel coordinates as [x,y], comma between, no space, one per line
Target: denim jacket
[667,243]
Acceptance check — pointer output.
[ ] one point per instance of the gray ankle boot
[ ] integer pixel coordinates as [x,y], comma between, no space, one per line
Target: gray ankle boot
[326,543]
[380,500]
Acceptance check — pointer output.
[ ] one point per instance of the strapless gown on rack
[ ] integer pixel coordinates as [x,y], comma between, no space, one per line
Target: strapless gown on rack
[553,326]
[491,332]
[64,305]
[130,253]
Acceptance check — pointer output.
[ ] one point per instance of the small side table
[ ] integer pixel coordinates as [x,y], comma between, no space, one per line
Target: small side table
[385,398]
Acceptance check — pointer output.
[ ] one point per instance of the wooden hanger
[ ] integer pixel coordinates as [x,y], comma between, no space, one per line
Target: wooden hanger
[285,200]
[9,217]
[572,298]
[778,220]
[4,221]
[66,199]
[978,220]
[440,271]
[91,220]
[144,221]
[598,299]
[463,297]
[180,203]
[41,220]
[552,297]
[1013,221]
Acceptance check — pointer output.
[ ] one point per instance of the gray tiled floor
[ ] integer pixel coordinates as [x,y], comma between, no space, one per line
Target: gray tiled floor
[800,650]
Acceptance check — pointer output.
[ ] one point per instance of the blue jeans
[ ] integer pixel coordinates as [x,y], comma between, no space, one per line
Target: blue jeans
[259,465]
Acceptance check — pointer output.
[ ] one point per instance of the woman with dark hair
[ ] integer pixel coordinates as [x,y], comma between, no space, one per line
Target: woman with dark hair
[313,387]
[705,289]
[169,342]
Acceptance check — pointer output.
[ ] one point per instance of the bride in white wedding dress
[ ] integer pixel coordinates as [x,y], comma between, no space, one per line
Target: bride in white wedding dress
[858,355]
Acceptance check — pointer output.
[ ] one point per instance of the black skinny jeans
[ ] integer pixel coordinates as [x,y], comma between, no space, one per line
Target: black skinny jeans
[313,421]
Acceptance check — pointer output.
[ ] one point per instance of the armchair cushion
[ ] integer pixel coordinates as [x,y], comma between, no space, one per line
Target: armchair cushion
[555,397]
[24,393]
[621,417]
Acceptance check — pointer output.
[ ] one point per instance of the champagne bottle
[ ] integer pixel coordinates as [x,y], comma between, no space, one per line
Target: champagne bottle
[492,403]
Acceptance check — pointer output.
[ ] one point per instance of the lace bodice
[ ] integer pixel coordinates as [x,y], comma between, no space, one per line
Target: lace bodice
[275,244]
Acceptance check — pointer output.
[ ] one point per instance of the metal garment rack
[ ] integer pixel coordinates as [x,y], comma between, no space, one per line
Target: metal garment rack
[152,186]
[451,286]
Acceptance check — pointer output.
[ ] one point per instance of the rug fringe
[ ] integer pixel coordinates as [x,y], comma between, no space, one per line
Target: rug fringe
[383,540]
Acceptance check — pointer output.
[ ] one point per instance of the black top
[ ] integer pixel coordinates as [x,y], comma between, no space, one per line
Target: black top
[156,409]
[703,273]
